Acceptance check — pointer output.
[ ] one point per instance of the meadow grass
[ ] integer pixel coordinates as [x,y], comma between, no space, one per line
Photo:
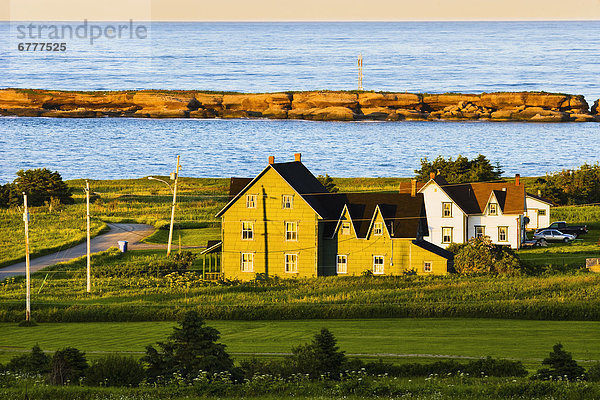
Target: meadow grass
[131,286]
[395,340]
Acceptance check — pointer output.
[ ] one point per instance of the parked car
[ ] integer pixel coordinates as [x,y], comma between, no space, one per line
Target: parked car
[552,235]
[562,226]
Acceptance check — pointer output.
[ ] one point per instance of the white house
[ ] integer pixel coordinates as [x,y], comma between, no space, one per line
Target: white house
[538,211]
[458,212]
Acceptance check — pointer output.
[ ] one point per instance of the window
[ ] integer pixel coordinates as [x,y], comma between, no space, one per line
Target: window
[427,266]
[447,234]
[503,233]
[378,228]
[378,265]
[541,212]
[342,264]
[447,210]
[247,261]
[479,231]
[291,263]
[287,201]
[247,230]
[251,201]
[493,209]
[291,231]
[345,228]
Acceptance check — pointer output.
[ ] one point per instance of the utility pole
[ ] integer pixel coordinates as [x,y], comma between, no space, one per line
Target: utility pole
[89,269]
[173,206]
[360,72]
[27,271]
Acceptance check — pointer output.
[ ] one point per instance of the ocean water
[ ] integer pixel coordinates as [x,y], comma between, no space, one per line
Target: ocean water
[110,148]
[432,57]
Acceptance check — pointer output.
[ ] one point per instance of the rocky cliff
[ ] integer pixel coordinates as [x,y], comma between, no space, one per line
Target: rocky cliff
[325,106]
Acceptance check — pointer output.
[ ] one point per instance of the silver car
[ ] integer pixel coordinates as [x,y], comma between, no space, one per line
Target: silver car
[552,235]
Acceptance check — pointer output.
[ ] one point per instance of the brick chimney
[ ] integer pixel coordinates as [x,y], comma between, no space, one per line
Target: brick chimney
[413,188]
[517,179]
[271,159]
[431,175]
[298,157]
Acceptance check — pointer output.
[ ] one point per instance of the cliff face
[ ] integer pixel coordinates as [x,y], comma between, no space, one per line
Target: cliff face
[326,106]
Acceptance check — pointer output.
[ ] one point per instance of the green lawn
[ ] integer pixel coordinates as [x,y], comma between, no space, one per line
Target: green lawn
[186,237]
[529,341]
[574,253]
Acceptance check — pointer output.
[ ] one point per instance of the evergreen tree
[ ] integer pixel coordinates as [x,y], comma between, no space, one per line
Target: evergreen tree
[562,366]
[34,363]
[68,366]
[190,349]
[328,182]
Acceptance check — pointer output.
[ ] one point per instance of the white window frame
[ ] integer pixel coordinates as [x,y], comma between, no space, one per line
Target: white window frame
[493,211]
[378,267]
[287,201]
[251,200]
[291,235]
[341,261]
[427,266]
[345,229]
[506,234]
[449,204]
[541,212]
[451,234]
[248,234]
[378,228]
[482,231]
[247,262]
[291,263]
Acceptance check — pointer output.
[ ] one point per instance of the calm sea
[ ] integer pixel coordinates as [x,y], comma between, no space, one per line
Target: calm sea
[256,57]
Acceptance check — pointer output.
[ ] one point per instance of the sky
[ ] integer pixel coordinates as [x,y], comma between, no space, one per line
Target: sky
[299,10]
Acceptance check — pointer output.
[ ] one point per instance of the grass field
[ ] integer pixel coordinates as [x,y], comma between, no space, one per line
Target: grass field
[397,340]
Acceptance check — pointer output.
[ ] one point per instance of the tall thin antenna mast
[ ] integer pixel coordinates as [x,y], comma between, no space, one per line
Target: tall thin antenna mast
[360,72]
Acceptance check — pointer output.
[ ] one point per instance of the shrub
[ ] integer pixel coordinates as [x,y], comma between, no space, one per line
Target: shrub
[115,370]
[593,373]
[320,357]
[562,366]
[68,366]
[480,255]
[34,363]
[42,186]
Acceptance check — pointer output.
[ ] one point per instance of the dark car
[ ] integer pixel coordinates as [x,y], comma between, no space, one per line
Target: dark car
[562,226]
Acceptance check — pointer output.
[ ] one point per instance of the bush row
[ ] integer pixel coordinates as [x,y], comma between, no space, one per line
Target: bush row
[505,309]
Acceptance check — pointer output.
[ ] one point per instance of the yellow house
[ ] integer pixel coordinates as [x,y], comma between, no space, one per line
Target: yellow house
[285,223]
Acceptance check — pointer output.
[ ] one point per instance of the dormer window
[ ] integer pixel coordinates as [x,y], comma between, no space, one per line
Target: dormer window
[493,209]
[447,210]
[378,228]
[287,201]
[345,230]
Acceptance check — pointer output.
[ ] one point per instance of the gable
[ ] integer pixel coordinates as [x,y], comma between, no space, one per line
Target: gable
[296,176]
[473,198]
